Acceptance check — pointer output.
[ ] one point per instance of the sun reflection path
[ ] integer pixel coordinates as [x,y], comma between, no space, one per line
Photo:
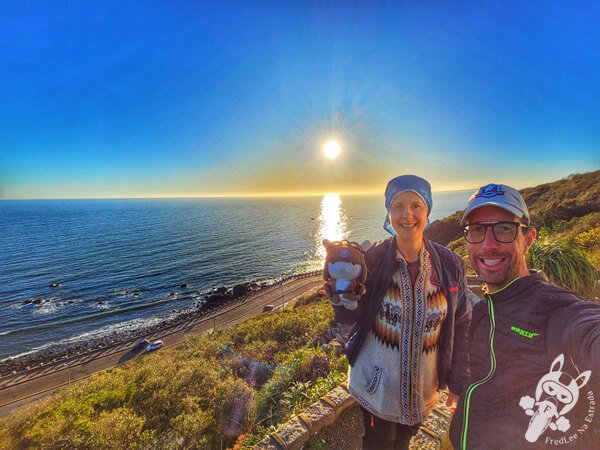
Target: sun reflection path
[332,223]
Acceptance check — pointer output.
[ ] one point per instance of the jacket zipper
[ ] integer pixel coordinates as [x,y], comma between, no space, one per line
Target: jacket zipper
[413,299]
[411,335]
[473,386]
[412,324]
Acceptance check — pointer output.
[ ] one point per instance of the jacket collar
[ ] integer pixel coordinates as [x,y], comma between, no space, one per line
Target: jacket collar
[434,276]
[519,286]
[391,258]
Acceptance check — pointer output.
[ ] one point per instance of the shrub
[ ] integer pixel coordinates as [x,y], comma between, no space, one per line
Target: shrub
[249,441]
[266,409]
[287,329]
[298,371]
[323,385]
[193,428]
[232,402]
[301,395]
[589,239]
[121,428]
[293,400]
[565,264]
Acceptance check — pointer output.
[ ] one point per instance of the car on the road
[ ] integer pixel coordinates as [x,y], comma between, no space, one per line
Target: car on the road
[142,343]
[154,346]
[267,308]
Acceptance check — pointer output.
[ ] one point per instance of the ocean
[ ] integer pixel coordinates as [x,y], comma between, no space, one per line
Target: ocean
[72,270]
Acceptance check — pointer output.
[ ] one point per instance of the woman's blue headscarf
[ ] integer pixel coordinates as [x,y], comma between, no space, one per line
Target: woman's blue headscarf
[401,184]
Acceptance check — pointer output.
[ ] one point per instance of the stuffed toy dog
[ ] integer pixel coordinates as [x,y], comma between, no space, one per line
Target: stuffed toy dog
[345,272]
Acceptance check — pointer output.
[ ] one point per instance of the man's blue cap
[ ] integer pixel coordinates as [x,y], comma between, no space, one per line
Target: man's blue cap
[405,183]
[500,195]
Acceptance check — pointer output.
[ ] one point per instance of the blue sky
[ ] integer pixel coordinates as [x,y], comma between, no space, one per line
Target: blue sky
[155,99]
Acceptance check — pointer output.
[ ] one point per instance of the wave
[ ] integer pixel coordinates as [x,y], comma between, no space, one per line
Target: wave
[113,331]
[93,316]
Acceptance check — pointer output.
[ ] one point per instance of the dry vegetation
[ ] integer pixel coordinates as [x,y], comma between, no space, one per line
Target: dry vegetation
[205,393]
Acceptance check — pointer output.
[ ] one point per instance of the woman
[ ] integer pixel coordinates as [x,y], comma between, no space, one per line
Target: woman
[411,326]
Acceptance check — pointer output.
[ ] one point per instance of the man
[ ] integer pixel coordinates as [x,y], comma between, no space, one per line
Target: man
[534,347]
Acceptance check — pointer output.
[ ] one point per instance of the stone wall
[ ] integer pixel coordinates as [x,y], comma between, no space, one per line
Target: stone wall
[324,414]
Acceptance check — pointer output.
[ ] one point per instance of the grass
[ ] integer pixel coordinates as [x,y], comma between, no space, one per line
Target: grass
[212,391]
[565,263]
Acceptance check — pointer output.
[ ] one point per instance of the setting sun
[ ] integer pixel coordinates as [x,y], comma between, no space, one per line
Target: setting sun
[331,149]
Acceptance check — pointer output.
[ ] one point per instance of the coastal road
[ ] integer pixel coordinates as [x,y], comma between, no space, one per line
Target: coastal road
[23,387]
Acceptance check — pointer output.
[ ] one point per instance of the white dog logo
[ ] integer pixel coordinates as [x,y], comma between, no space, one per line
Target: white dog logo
[555,395]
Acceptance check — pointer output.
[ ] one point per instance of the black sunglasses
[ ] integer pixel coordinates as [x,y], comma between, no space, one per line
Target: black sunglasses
[504,231]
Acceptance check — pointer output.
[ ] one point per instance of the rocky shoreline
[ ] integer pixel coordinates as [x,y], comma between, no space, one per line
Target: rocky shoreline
[212,301]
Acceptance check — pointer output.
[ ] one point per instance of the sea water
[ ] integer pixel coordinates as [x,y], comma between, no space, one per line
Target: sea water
[121,264]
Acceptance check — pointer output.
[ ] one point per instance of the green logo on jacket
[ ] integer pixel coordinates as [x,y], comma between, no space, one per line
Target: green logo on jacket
[527,334]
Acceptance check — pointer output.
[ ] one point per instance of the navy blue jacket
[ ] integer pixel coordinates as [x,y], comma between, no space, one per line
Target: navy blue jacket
[448,271]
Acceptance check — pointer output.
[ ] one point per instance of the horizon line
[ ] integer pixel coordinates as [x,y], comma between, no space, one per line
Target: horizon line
[226,195]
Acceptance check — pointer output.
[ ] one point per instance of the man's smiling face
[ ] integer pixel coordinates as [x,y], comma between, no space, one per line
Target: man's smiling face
[497,263]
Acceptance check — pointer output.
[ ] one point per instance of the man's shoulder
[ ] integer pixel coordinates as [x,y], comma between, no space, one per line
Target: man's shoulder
[573,328]
[557,298]
[568,305]
[564,309]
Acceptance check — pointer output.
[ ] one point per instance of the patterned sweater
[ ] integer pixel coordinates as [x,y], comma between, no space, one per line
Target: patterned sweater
[395,374]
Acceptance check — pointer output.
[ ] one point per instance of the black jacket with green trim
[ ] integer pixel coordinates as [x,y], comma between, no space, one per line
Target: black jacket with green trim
[535,371]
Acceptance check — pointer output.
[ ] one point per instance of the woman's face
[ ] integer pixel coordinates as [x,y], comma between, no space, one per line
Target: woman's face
[408,216]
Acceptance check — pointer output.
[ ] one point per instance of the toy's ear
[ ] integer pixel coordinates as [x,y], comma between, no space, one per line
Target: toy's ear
[326,243]
[365,245]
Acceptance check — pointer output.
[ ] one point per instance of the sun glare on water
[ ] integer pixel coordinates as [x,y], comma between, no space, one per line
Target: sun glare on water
[331,149]
[332,222]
